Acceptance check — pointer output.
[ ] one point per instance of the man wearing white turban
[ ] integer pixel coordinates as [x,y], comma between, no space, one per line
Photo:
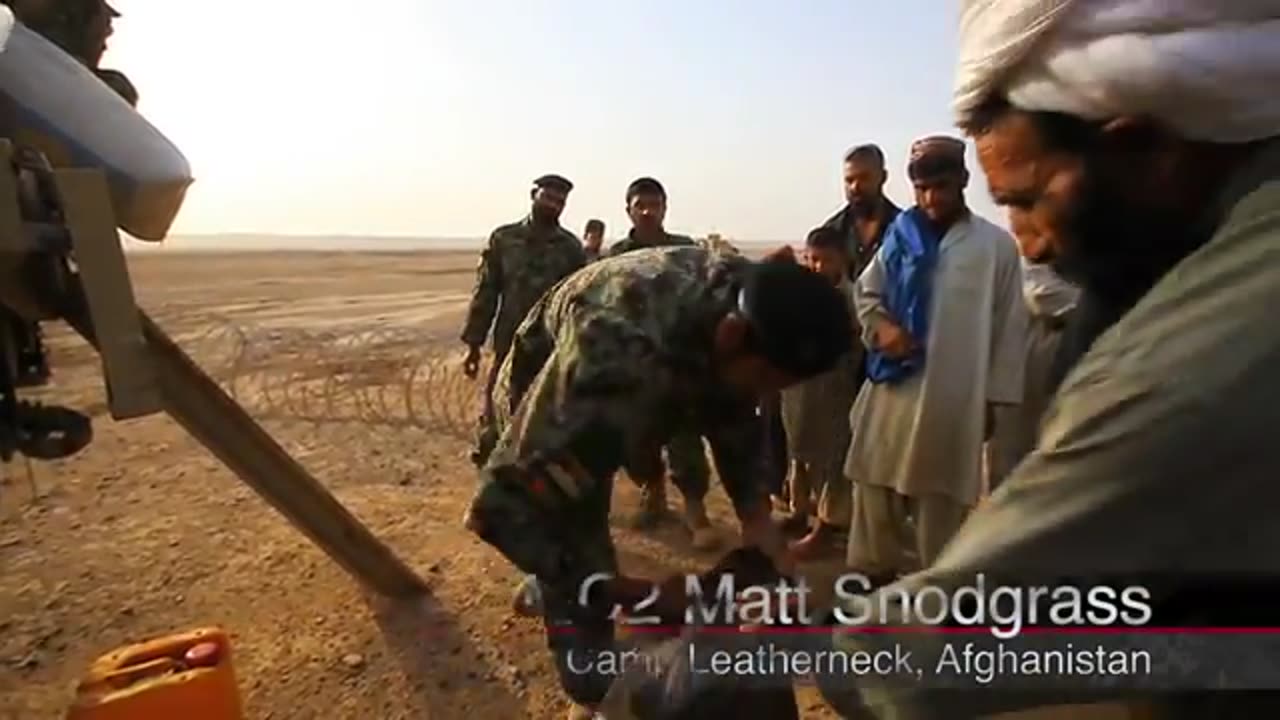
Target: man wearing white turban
[1141,139]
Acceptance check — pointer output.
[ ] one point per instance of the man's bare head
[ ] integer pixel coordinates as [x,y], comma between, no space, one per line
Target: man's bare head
[864,178]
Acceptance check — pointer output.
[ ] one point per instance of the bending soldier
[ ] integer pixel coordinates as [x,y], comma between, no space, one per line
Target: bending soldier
[622,355]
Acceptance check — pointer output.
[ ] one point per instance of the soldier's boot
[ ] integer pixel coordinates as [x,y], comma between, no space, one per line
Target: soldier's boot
[705,536]
[653,506]
[527,601]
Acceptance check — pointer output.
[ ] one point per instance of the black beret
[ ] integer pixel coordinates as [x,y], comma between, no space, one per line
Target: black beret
[645,186]
[554,182]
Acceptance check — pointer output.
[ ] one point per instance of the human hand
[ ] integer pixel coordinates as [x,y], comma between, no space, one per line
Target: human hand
[471,365]
[758,529]
[892,340]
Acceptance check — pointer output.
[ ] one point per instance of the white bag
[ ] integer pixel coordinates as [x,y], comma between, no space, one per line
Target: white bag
[62,109]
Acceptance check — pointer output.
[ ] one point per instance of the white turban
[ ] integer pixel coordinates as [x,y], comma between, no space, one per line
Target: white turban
[1208,69]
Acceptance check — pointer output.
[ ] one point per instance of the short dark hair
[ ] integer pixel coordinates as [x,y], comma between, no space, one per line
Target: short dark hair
[799,321]
[827,238]
[645,186]
[868,151]
[554,182]
[594,225]
[1059,131]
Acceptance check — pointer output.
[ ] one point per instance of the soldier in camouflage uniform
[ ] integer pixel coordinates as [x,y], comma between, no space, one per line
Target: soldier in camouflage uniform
[647,208]
[518,265]
[613,362]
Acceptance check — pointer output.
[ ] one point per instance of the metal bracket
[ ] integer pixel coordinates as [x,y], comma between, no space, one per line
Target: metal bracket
[127,367]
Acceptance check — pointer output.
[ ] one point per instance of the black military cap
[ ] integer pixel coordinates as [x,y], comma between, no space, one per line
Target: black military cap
[554,182]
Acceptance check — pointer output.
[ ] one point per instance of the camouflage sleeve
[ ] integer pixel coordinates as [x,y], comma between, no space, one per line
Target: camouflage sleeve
[616,249]
[568,435]
[736,443]
[484,296]
[576,252]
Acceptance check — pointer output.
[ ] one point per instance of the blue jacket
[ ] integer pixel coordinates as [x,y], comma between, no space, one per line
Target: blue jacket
[909,254]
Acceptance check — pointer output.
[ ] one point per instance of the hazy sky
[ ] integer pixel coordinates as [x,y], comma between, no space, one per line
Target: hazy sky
[431,117]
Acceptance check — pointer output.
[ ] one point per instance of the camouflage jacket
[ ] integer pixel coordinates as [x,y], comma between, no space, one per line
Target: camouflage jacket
[631,242]
[618,358]
[518,265]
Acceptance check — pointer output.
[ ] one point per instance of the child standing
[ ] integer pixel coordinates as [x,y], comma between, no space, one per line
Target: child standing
[816,416]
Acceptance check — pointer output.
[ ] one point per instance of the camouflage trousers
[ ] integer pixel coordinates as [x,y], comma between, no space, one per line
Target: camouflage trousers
[687,461]
[563,545]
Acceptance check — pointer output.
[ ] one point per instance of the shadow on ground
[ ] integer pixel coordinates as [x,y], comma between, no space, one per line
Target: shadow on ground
[439,660]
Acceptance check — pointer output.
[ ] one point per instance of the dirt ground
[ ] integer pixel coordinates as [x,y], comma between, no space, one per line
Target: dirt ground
[145,533]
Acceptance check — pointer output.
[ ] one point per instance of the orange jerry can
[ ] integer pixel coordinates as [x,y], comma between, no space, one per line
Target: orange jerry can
[187,676]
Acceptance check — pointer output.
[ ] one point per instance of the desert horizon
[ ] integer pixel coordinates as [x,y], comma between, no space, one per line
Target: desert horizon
[271,242]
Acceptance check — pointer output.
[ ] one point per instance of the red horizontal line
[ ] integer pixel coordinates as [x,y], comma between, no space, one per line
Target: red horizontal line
[924,630]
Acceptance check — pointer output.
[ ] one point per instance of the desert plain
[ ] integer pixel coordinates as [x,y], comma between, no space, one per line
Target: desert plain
[144,533]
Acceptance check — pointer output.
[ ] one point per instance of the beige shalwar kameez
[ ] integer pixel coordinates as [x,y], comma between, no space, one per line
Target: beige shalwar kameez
[916,451]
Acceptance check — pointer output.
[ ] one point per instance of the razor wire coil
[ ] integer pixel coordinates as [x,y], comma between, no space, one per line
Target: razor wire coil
[391,377]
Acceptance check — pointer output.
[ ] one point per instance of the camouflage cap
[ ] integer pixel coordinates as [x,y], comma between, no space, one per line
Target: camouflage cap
[110,10]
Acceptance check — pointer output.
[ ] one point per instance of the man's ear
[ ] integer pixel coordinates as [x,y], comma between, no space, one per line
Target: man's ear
[731,334]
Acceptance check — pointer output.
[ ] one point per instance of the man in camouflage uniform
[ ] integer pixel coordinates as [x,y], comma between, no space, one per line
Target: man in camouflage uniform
[647,208]
[611,363]
[81,28]
[518,265]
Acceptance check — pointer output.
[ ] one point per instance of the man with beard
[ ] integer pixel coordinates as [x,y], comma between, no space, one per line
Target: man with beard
[1142,140]
[941,312]
[867,213]
[647,208]
[520,262]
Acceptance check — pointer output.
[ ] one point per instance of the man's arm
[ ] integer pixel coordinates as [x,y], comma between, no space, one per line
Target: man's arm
[880,330]
[576,252]
[566,437]
[868,298]
[485,296]
[736,446]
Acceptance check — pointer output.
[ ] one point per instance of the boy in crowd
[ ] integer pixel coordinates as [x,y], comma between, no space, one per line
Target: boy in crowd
[815,414]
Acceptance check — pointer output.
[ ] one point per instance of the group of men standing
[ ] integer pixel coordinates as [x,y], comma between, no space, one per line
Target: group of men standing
[885,446]
[938,295]
[519,264]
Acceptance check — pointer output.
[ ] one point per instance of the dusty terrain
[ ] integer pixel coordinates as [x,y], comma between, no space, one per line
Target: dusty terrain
[145,533]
